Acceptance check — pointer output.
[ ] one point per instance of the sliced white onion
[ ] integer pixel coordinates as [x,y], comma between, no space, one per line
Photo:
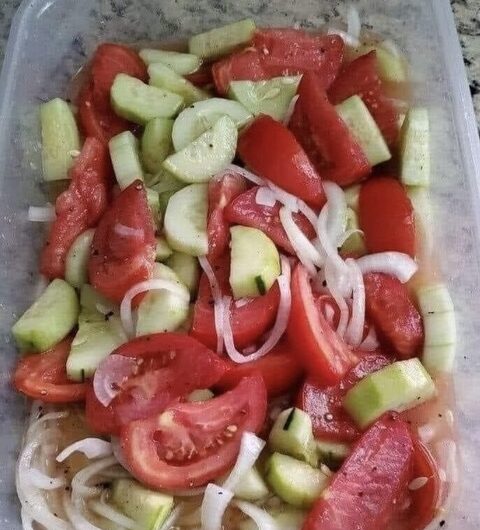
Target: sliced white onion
[337,212]
[127,231]
[278,329]
[282,196]
[347,234]
[105,510]
[90,447]
[44,482]
[370,343]
[308,213]
[36,425]
[27,520]
[73,509]
[244,173]
[155,284]
[417,483]
[331,281]
[396,264]
[265,196]
[250,448]
[354,331]
[391,47]
[290,110]
[80,487]
[354,26]
[262,519]
[41,214]
[214,504]
[427,432]
[110,374]
[348,39]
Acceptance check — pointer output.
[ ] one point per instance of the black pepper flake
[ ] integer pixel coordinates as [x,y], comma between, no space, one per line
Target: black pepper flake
[441,523]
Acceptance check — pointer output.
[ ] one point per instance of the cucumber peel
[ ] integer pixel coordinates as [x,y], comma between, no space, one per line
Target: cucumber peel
[187,269]
[181,63]
[76,261]
[162,249]
[415,148]
[125,159]
[156,143]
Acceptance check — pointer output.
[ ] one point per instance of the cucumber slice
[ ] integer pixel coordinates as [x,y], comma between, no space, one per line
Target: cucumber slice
[207,155]
[135,101]
[153,201]
[400,386]
[332,454]
[162,311]
[415,148]
[292,434]
[271,97]
[199,117]
[149,509]
[60,139]
[165,199]
[187,269]
[49,319]
[251,487]
[438,315]
[358,119]
[161,76]
[286,519]
[181,63]
[255,262]
[95,303]
[352,194]
[76,261]
[125,159]
[391,68]
[203,394]
[162,250]
[185,221]
[165,181]
[223,40]
[156,143]
[293,481]
[355,244]
[422,208]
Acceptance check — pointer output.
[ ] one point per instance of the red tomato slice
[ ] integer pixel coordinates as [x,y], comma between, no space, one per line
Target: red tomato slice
[361,77]
[325,137]
[245,211]
[247,64]
[324,355]
[79,207]
[123,247]
[202,77]
[392,311]
[171,365]
[280,370]
[325,405]
[191,444]
[43,376]
[272,151]
[221,192]
[386,216]
[249,321]
[363,493]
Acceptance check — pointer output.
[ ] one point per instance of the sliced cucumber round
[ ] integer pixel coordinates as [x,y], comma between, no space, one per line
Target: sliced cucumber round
[185,221]
[201,116]
[77,258]
[207,155]
[187,269]
[181,63]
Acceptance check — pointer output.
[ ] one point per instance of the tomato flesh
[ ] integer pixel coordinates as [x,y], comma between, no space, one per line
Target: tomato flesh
[191,444]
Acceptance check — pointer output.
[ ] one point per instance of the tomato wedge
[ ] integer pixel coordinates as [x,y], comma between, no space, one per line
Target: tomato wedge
[392,311]
[323,353]
[364,492]
[244,210]
[79,207]
[43,376]
[202,77]
[386,216]
[325,405]
[123,247]
[272,151]
[221,191]
[249,321]
[361,77]
[280,370]
[191,444]
[327,140]
[170,366]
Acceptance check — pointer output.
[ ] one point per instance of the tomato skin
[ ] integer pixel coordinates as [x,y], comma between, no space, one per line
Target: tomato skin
[43,376]
[239,66]
[244,210]
[324,355]
[327,140]
[363,493]
[79,207]
[117,260]
[202,77]
[395,316]
[386,216]
[280,370]
[272,151]
[182,451]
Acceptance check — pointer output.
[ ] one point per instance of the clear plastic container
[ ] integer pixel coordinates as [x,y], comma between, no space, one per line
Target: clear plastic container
[49,41]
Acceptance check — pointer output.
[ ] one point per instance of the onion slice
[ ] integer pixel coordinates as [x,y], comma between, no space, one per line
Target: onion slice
[108,512]
[80,487]
[244,173]
[44,482]
[90,447]
[250,448]
[337,212]
[109,376]
[396,264]
[214,504]
[290,110]
[348,39]
[370,342]
[265,196]
[41,214]
[262,519]
[354,331]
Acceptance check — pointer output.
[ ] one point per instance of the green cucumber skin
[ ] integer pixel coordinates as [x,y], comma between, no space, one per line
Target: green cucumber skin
[76,261]
[156,143]
[125,155]
[180,63]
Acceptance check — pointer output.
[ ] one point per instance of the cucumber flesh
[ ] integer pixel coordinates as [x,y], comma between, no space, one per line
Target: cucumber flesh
[355,244]
[352,194]
[185,220]
[399,386]
[294,481]
[286,519]
[332,454]
[391,68]
[422,208]
[162,249]
[251,487]
[153,201]
[76,261]
[149,509]
[156,143]
[94,302]
[203,394]
[125,159]
[271,97]
[181,63]
[60,139]
[415,148]
[49,319]
[165,181]
[161,76]
[135,101]
[255,262]
[223,40]
[187,269]
[201,116]
[358,119]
